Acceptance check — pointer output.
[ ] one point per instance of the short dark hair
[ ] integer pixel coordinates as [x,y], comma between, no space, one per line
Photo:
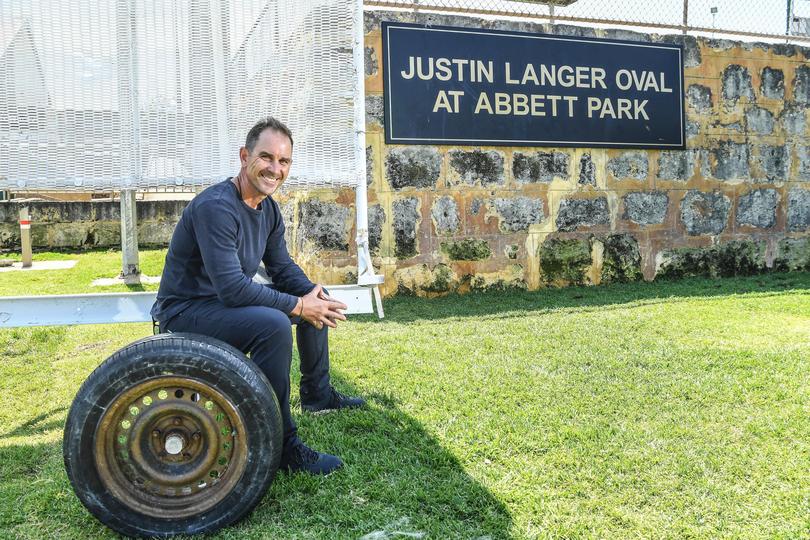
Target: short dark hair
[261,125]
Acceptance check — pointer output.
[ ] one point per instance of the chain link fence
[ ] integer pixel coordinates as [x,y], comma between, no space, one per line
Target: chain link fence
[766,19]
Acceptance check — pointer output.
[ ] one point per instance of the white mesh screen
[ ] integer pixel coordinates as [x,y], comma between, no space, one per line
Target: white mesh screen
[108,94]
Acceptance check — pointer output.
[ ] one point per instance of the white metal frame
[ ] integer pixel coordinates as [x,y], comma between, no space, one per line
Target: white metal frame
[135,307]
[365,269]
[110,308]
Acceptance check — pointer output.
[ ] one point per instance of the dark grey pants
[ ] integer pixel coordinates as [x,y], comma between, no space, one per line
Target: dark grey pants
[265,333]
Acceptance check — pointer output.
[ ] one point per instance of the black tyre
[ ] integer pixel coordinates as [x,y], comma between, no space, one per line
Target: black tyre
[175,433]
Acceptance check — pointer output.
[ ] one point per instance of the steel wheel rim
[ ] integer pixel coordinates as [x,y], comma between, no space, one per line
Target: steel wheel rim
[170,447]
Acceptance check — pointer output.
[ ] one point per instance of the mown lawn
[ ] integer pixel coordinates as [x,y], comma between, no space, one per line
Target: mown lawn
[663,410]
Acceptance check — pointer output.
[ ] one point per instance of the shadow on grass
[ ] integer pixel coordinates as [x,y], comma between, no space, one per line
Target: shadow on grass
[398,482]
[38,425]
[408,308]
[137,287]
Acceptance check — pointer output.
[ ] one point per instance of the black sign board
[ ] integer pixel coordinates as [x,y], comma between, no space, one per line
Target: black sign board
[466,86]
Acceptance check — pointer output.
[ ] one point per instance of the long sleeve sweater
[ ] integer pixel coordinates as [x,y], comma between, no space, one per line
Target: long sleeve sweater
[215,252]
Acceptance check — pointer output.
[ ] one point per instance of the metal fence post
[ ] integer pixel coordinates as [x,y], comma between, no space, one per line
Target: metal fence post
[25,237]
[131,270]
[685,16]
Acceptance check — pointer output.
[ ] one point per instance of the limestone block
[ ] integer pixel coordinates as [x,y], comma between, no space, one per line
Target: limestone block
[540,166]
[731,160]
[154,233]
[67,235]
[445,215]
[645,208]
[736,258]
[425,281]
[575,213]
[793,119]
[476,167]
[376,219]
[699,97]
[775,162]
[772,83]
[469,249]
[518,213]
[508,279]
[629,165]
[676,165]
[760,120]
[736,82]
[798,210]
[621,259]
[564,261]
[371,65]
[803,155]
[9,236]
[793,254]
[108,233]
[705,213]
[691,48]
[406,219]
[413,167]
[375,113]
[587,170]
[801,85]
[757,208]
[324,224]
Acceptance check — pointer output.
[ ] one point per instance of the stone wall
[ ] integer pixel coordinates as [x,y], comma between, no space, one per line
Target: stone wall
[737,201]
[71,225]
[442,219]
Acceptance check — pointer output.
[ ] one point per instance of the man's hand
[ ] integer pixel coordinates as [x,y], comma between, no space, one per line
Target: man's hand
[320,309]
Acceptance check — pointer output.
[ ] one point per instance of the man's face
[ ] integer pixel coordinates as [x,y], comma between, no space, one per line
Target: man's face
[268,165]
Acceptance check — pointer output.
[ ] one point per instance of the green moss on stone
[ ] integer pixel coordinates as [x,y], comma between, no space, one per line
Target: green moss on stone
[738,258]
[467,250]
[482,285]
[621,260]
[566,260]
[9,235]
[793,254]
[442,280]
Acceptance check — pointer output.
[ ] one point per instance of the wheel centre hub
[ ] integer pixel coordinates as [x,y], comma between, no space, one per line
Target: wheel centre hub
[174,444]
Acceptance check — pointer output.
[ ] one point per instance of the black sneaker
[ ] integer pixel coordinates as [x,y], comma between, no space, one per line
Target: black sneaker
[334,401]
[300,457]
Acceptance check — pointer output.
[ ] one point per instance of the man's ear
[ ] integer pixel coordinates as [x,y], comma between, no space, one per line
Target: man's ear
[243,155]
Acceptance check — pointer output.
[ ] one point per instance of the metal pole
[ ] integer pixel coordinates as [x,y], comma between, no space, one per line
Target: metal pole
[365,269]
[789,17]
[25,237]
[130,124]
[130,270]
[685,15]
[551,13]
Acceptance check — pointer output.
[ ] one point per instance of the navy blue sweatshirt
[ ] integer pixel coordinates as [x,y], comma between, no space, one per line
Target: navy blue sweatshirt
[215,252]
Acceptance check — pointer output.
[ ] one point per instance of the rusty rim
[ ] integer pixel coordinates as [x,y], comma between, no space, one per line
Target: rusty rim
[170,447]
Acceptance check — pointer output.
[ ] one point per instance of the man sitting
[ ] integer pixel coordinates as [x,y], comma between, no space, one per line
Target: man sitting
[207,287]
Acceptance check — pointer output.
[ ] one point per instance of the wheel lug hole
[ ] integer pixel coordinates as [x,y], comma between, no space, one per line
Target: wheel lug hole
[196,436]
[156,433]
[177,421]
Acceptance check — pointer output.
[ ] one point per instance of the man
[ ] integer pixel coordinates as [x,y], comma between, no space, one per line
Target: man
[207,286]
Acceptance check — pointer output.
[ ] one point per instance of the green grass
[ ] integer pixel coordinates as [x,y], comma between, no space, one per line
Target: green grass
[90,265]
[651,410]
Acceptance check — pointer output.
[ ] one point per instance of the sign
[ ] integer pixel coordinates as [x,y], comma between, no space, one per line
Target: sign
[466,86]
